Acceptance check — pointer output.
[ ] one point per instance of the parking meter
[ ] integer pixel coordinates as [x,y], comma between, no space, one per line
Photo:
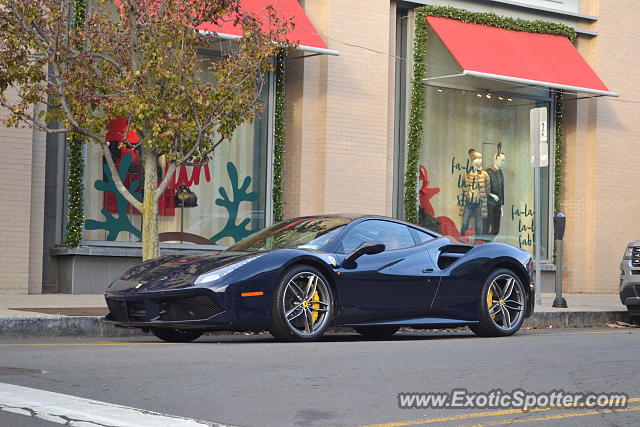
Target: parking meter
[559,222]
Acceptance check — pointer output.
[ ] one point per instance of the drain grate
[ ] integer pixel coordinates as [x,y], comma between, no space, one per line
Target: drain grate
[18,371]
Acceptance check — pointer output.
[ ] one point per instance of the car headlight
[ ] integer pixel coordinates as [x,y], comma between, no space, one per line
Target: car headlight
[628,253]
[222,271]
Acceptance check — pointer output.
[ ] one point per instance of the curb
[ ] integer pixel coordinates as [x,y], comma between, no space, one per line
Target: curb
[575,319]
[95,326]
[71,326]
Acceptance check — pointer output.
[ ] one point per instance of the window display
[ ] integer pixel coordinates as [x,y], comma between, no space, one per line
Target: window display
[468,189]
[219,202]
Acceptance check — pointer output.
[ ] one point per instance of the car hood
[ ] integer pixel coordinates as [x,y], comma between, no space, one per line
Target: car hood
[172,271]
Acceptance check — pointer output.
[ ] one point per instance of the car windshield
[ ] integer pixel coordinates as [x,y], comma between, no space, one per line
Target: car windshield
[307,233]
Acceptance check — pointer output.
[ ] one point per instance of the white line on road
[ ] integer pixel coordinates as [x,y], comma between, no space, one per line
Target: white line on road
[77,411]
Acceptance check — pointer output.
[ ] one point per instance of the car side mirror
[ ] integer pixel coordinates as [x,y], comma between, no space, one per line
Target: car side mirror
[365,248]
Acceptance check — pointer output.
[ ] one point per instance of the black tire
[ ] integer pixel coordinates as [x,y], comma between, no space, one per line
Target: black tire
[495,325]
[176,335]
[634,315]
[376,332]
[286,298]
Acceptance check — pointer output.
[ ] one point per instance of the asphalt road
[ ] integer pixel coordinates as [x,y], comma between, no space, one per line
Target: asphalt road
[251,380]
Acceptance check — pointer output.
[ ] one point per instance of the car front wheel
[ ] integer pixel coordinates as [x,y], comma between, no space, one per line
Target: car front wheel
[501,305]
[302,305]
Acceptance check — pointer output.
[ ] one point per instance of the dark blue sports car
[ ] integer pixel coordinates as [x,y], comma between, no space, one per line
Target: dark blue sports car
[299,276]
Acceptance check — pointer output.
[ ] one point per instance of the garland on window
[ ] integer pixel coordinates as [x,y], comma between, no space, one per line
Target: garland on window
[75,162]
[416,116]
[278,137]
[418,102]
[559,153]
[558,160]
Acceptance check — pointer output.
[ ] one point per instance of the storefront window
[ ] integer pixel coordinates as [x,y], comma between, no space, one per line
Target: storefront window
[476,174]
[231,190]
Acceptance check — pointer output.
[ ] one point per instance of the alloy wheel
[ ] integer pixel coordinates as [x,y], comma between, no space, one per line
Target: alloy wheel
[306,303]
[505,302]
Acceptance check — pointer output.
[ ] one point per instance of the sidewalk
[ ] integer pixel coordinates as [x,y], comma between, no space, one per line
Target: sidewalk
[81,315]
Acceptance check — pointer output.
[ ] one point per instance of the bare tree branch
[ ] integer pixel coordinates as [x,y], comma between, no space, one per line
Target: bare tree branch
[165,182]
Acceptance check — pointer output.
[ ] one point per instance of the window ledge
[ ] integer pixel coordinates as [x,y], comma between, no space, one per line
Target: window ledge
[133,251]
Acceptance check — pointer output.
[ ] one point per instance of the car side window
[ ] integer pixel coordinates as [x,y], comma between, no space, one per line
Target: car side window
[393,235]
[421,236]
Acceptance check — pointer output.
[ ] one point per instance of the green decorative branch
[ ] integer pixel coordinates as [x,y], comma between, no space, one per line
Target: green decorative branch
[559,153]
[278,137]
[418,96]
[121,223]
[240,194]
[559,158]
[492,20]
[416,116]
[75,191]
[75,163]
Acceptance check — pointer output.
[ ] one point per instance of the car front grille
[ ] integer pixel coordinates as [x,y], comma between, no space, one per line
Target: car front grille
[197,307]
[635,257]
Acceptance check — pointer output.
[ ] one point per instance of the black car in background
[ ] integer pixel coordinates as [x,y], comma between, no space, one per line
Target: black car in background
[299,276]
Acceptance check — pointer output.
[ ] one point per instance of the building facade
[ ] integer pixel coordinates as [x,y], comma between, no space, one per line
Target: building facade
[348,140]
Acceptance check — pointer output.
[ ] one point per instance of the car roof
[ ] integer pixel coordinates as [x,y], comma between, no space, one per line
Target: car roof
[356,216]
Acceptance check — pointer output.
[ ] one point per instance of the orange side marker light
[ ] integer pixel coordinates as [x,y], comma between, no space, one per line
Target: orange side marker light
[251,294]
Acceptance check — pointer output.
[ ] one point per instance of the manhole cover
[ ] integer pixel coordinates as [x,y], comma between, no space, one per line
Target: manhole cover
[18,371]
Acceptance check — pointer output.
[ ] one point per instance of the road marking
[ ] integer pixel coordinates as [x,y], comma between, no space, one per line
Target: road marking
[492,414]
[558,416]
[77,411]
[116,343]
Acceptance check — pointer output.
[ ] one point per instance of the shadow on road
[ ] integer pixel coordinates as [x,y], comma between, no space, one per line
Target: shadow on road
[266,338]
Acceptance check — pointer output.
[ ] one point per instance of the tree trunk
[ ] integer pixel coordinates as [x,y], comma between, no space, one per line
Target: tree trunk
[150,238]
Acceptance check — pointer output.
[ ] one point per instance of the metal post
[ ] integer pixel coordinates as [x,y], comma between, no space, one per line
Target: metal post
[181,221]
[559,301]
[559,222]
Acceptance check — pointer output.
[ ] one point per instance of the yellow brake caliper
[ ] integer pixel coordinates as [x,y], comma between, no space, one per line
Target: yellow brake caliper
[490,302]
[315,313]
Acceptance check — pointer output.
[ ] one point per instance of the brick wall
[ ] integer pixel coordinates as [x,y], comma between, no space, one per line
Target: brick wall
[603,153]
[338,135]
[21,209]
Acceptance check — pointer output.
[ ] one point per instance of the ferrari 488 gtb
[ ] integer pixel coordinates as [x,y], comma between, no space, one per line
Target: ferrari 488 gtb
[298,277]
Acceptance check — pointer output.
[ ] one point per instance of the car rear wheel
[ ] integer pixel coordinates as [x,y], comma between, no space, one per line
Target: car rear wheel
[302,305]
[501,305]
[176,335]
[376,332]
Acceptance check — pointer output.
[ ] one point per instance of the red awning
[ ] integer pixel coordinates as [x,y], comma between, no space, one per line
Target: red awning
[518,57]
[304,32]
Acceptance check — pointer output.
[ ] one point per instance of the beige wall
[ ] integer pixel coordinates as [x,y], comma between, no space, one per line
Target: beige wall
[340,131]
[21,209]
[338,137]
[603,153]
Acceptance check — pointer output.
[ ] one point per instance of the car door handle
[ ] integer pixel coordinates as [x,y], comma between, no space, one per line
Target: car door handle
[428,270]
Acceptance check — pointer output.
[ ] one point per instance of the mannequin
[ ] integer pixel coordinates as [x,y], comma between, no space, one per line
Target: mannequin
[475,191]
[496,195]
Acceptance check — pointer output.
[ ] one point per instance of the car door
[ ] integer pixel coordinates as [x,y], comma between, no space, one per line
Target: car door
[397,283]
